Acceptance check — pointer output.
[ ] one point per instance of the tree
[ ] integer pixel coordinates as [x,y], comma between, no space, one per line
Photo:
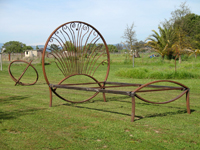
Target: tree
[28,48]
[89,48]
[193,29]
[37,47]
[138,46]
[14,47]
[129,36]
[195,52]
[119,47]
[178,35]
[162,42]
[69,46]
[112,48]
[182,41]
[54,47]
[180,27]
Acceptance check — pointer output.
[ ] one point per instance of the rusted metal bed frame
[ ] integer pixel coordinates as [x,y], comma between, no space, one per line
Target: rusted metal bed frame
[72,39]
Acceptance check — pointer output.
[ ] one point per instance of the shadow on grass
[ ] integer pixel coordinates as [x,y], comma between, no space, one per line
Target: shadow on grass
[7,115]
[180,111]
[13,114]
[102,110]
[8,99]
[141,103]
[168,113]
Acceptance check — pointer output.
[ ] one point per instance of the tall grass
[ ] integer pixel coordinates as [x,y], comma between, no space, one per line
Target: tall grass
[145,73]
[157,68]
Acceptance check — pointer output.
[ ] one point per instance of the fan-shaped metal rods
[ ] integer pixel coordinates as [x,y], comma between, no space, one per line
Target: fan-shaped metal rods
[79,49]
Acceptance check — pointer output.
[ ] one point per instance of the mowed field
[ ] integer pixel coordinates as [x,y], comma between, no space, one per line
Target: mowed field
[27,121]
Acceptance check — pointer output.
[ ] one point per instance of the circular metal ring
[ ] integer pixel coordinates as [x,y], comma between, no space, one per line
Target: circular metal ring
[54,90]
[17,81]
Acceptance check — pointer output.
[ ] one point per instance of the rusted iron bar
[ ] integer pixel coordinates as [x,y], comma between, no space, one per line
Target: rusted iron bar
[17,80]
[82,83]
[23,72]
[166,88]
[188,101]
[122,83]
[133,84]
[98,89]
[133,109]
[157,81]
[91,89]
[78,55]
[50,94]
[162,102]
[118,84]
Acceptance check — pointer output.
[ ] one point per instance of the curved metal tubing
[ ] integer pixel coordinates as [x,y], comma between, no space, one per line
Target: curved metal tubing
[145,85]
[54,89]
[77,55]
[74,41]
[162,102]
[17,81]
[75,34]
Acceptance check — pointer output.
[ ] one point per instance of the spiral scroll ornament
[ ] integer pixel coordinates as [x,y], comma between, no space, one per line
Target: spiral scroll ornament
[78,49]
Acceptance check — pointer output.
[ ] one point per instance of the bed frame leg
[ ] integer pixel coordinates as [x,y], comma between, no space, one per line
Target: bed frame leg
[188,101]
[133,109]
[50,93]
[104,97]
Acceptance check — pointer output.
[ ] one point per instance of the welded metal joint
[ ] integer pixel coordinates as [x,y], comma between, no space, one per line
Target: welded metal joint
[17,81]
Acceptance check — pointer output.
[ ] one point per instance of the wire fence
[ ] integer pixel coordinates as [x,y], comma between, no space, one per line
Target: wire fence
[18,56]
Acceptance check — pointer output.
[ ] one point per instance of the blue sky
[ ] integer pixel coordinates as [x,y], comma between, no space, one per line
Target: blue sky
[32,21]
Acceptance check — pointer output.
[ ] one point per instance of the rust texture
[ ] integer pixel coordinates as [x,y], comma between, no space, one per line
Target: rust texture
[79,49]
[17,81]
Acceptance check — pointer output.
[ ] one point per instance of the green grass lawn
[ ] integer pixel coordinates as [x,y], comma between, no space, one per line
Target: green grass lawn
[27,121]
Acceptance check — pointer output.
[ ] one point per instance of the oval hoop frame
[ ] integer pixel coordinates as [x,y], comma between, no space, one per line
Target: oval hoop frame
[55,32]
[17,80]
[54,90]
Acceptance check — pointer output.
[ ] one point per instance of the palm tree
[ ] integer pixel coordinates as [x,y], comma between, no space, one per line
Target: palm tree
[193,51]
[162,42]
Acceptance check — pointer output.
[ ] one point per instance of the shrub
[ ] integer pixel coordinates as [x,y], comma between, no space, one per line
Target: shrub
[142,73]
